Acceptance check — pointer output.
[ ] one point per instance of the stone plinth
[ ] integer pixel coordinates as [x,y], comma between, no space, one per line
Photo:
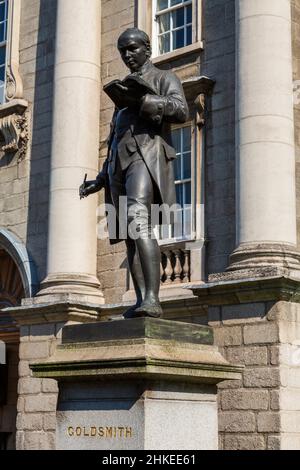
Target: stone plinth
[137,384]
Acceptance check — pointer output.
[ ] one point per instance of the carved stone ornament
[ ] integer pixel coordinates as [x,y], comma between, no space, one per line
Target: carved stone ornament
[197,89]
[200,106]
[14,129]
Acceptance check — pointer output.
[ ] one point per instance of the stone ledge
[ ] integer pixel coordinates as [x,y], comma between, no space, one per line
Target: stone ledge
[69,308]
[230,291]
[35,314]
[17,106]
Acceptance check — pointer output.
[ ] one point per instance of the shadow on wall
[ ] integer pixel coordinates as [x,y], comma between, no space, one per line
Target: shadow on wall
[218,63]
[42,115]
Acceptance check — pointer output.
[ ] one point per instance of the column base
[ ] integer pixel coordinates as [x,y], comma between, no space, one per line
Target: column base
[81,288]
[265,258]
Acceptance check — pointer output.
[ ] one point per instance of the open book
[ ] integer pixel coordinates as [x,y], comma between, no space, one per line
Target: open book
[137,88]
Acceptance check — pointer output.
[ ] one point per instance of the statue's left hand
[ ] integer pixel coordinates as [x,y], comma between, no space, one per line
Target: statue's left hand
[123,88]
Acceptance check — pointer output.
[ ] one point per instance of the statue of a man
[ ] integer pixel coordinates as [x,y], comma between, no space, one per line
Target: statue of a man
[139,164]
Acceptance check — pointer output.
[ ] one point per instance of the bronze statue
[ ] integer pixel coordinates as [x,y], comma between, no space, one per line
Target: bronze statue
[139,162]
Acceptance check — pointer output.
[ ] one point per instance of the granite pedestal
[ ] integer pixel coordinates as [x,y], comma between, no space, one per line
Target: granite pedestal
[137,384]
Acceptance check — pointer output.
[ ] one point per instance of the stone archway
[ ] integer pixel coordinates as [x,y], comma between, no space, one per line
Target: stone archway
[14,285]
[11,286]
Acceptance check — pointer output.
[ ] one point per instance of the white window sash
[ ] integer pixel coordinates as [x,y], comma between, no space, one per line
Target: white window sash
[155,25]
[171,9]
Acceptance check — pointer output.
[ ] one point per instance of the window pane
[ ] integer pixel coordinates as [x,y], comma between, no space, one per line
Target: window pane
[164,43]
[186,166]
[186,136]
[2,11]
[178,18]
[2,75]
[177,168]
[189,14]
[188,35]
[175,2]
[2,55]
[187,225]
[164,23]
[187,193]
[2,32]
[162,4]
[179,194]
[176,140]
[178,38]
[178,226]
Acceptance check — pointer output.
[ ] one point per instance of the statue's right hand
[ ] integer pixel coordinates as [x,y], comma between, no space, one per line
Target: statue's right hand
[87,188]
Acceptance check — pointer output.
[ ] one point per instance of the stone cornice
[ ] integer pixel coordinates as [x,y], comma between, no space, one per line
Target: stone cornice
[144,357]
[67,310]
[54,313]
[255,289]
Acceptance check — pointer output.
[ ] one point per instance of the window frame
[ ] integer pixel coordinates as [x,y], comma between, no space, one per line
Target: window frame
[145,12]
[13,79]
[197,228]
[4,44]
[170,10]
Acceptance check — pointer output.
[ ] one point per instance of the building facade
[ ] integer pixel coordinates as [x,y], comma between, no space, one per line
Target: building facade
[235,263]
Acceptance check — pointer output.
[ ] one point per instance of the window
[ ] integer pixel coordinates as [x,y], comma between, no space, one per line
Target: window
[182,141]
[183,167]
[174,26]
[174,19]
[3,46]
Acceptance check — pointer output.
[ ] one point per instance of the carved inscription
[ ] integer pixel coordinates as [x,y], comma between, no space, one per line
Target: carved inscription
[106,432]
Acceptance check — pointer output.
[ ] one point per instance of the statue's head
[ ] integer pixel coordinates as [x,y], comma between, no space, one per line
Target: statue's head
[135,48]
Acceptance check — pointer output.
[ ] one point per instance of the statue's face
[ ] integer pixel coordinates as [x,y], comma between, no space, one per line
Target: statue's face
[133,51]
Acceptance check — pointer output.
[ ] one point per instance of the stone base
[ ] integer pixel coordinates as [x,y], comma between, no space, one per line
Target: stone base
[136,415]
[84,288]
[137,384]
[252,257]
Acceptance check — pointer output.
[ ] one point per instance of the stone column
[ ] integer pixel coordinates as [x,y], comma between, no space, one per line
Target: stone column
[266,196]
[72,223]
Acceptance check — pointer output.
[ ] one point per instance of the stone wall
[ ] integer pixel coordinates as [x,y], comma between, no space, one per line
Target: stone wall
[218,63]
[248,417]
[24,185]
[116,17]
[8,410]
[36,421]
[262,410]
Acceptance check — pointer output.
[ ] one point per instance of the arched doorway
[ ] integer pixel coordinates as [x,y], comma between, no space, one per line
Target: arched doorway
[11,293]
[11,286]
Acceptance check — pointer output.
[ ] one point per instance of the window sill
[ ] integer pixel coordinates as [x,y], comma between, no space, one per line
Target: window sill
[178,53]
[167,243]
[17,106]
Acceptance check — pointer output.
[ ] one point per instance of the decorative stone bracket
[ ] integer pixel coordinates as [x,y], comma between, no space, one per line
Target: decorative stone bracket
[14,128]
[196,90]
